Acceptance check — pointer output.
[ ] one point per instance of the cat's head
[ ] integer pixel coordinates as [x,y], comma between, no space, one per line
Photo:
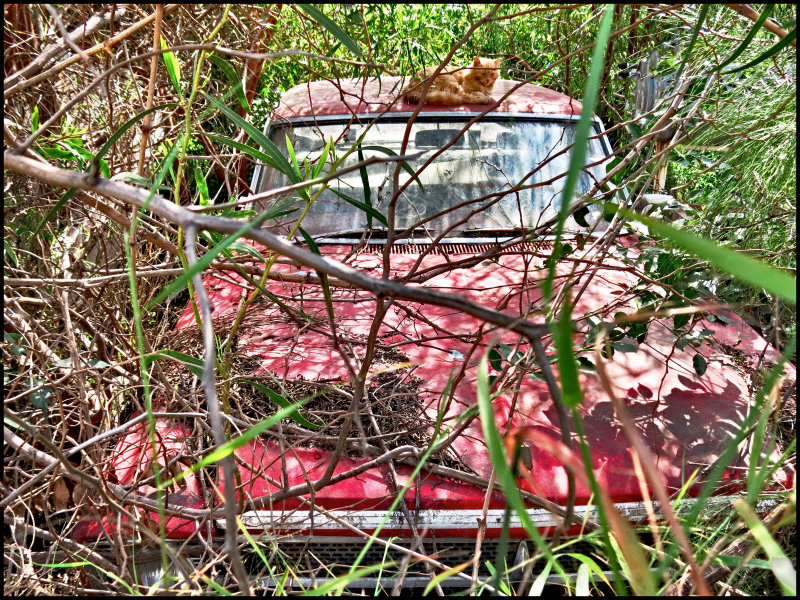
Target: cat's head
[485,71]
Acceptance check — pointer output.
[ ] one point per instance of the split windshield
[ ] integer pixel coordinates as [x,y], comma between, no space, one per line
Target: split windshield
[497,176]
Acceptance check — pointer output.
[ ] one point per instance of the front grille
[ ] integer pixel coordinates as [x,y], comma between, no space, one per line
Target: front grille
[319,559]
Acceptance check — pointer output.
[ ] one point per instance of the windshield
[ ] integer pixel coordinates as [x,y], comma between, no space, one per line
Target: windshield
[467,189]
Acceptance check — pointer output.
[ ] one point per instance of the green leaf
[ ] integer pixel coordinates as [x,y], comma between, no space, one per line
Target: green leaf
[679,321]
[231,446]
[591,564]
[580,217]
[194,365]
[371,211]
[750,35]
[365,186]
[35,119]
[340,35]
[749,270]
[322,159]
[249,150]
[135,179]
[326,290]
[701,16]
[173,68]
[290,149]
[567,365]
[700,364]
[66,363]
[541,579]
[233,79]
[202,187]
[100,153]
[52,212]
[202,263]
[788,39]
[284,403]
[245,248]
[56,153]
[279,161]
[495,360]
[406,167]
[9,249]
[582,581]
[41,397]
[624,347]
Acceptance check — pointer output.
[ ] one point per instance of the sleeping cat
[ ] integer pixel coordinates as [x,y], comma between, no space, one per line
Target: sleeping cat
[456,85]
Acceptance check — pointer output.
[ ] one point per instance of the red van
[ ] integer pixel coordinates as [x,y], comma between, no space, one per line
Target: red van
[476,224]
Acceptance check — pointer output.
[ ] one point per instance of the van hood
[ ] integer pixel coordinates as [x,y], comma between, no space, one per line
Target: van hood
[686,420]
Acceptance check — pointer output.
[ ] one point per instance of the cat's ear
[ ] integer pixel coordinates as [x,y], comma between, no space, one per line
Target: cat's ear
[497,62]
[477,61]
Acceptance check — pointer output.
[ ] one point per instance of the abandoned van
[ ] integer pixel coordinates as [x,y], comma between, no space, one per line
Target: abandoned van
[389,438]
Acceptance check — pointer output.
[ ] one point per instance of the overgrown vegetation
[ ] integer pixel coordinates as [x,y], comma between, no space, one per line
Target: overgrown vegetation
[123,138]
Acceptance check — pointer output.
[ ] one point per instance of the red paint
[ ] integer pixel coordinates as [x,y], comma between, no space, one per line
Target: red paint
[133,458]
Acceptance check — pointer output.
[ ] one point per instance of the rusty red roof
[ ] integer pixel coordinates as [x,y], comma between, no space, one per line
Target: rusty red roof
[346,96]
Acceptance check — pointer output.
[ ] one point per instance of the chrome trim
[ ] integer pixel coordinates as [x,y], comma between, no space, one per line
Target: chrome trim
[345,118]
[259,166]
[459,519]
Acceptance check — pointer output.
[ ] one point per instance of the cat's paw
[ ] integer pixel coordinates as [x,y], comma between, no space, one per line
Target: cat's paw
[478,98]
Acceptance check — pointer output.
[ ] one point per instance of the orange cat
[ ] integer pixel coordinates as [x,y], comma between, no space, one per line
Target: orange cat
[456,85]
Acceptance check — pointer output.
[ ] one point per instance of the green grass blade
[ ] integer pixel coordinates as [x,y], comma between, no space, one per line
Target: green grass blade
[231,446]
[779,563]
[173,68]
[769,53]
[406,167]
[748,270]
[335,584]
[340,35]
[278,159]
[578,153]
[371,211]
[235,81]
[503,472]
[749,37]
[194,365]
[701,17]
[567,364]
[204,261]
